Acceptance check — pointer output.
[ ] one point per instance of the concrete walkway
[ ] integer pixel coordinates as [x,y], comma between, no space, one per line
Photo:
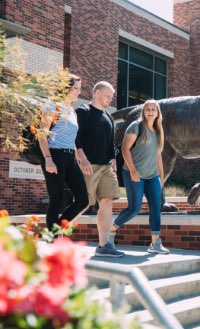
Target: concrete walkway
[138,256]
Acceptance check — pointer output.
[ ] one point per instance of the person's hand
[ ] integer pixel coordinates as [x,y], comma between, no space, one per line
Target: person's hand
[135,176]
[114,165]
[50,166]
[162,181]
[86,167]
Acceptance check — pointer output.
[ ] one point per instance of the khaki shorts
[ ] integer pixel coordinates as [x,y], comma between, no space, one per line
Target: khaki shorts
[102,184]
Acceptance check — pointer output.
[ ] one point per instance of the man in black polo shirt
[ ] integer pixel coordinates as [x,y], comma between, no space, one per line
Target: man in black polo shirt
[96,154]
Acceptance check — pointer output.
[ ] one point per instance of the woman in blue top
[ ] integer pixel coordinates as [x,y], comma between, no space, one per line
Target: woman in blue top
[143,171]
[59,165]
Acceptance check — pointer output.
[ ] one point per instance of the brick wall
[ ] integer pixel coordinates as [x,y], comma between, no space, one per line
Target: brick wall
[95,38]
[67,41]
[187,16]
[44,18]
[173,236]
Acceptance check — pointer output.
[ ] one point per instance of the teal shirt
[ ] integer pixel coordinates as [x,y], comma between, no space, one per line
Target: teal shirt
[144,155]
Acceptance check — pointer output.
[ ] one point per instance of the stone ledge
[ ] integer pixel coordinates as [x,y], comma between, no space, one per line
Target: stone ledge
[172,219]
[168,199]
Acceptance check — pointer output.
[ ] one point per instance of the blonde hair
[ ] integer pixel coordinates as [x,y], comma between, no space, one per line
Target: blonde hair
[102,85]
[157,125]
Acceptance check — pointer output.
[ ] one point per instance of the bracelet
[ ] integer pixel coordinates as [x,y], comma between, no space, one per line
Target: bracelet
[48,156]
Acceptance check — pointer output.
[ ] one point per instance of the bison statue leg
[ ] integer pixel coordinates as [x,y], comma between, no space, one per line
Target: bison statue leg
[194,195]
[169,158]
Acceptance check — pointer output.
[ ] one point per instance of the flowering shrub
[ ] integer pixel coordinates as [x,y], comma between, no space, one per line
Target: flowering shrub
[33,229]
[43,285]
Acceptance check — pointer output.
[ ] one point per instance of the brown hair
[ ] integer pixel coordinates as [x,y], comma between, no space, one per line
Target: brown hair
[65,85]
[73,79]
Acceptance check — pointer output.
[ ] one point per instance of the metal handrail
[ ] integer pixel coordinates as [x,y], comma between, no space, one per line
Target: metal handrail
[147,295]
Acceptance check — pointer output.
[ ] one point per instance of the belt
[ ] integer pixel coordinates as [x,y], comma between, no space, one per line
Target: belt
[71,151]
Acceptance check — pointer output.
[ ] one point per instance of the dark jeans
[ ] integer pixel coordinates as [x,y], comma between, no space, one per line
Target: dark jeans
[151,188]
[70,174]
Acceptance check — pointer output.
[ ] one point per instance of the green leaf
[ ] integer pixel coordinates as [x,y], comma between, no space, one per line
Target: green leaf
[28,252]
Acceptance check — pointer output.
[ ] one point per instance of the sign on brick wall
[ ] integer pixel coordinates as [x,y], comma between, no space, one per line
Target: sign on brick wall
[19,169]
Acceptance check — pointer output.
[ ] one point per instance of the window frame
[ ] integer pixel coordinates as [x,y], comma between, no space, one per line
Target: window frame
[147,51]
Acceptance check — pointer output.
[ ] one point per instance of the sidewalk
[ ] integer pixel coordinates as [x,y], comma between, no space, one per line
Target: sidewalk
[138,256]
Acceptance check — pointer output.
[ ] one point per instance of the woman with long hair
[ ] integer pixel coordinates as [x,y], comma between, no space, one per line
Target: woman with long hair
[57,144]
[143,171]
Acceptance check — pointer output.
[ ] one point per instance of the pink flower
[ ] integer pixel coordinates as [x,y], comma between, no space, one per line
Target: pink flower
[49,301]
[11,268]
[12,274]
[24,299]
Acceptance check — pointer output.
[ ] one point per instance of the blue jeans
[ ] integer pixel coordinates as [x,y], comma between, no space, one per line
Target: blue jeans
[151,188]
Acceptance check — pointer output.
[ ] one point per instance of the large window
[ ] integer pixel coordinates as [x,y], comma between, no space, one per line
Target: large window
[140,76]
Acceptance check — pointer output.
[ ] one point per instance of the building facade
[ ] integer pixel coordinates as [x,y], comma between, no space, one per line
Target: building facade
[140,54]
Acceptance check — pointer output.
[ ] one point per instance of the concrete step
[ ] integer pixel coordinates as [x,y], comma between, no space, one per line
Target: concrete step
[187,311]
[155,266]
[168,268]
[176,277]
[170,289]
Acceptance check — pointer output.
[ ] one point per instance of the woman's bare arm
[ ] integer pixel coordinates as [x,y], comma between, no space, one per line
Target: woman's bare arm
[128,141]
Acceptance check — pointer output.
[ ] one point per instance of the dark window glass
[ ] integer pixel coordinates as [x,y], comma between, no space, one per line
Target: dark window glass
[141,58]
[159,86]
[140,85]
[160,65]
[122,85]
[142,76]
[123,51]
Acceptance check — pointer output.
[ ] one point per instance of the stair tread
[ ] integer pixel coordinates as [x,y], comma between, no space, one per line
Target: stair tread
[158,283]
[174,308]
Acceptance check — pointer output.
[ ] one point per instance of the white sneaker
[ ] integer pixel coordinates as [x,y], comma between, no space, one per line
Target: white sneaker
[158,248]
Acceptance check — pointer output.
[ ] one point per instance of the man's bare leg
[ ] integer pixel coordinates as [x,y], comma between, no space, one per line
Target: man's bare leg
[104,220]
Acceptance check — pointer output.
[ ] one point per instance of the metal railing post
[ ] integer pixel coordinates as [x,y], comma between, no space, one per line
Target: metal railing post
[147,295]
[117,296]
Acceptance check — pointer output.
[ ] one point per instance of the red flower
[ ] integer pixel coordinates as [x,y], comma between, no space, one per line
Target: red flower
[64,223]
[65,264]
